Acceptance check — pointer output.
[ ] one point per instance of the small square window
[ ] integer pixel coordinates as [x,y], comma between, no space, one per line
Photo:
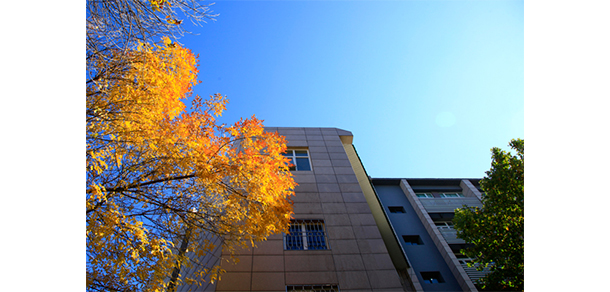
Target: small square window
[432,277]
[412,240]
[396,209]
[299,159]
[424,195]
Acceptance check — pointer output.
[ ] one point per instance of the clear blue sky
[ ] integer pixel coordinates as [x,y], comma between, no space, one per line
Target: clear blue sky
[426,87]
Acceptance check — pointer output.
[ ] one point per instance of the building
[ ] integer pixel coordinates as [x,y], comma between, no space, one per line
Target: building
[420,213]
[353,233]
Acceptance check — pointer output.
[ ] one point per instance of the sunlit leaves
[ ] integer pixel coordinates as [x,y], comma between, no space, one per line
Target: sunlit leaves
[496,230]
[158,175]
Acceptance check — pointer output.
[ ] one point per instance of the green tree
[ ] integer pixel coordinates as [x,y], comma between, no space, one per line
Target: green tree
[496,230]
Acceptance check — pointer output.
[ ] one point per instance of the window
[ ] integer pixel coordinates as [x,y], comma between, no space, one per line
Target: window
[424,195]
[313,288]
[305,235]
[396,209]
[432,277]
[300,159]
[444,224]
[412,240]
[452,195]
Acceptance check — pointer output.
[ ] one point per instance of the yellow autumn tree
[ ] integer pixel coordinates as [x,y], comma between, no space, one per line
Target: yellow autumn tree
[159,175]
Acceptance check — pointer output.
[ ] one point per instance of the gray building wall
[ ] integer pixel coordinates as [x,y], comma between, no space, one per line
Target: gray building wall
[338,191]
[426,211]
[357,258]
[425,257]
[441,209]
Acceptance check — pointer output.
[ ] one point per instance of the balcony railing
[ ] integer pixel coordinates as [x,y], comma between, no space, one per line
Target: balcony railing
[472,272]
[450,236]
[448,205]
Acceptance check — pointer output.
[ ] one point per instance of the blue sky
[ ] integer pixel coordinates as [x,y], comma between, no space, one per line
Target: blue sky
[426,87]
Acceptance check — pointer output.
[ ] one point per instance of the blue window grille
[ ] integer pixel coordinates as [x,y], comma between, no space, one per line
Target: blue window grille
[306,235]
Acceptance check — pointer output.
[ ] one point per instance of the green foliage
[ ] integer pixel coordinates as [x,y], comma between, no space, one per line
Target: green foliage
[496,230]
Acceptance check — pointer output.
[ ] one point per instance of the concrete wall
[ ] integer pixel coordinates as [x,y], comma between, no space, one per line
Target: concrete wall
[357,259]
[469,190]
[424,257]
[441,244]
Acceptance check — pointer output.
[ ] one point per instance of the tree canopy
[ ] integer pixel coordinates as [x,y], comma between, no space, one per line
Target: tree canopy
[116,27]
[122,24]
[496,229]
[159,174]
[155,171]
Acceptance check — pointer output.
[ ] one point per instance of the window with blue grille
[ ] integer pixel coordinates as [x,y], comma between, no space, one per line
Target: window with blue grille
[306,235]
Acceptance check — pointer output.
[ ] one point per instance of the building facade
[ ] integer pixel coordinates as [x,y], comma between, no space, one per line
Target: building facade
[420,212]
[353,233]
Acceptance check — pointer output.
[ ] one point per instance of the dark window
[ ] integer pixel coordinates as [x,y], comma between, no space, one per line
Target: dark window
[432,277]
[305,235]
[412,240]
[396,209]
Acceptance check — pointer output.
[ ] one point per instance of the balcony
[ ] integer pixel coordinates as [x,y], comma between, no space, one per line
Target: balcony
[448,205]
[472,272]
[450,235]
